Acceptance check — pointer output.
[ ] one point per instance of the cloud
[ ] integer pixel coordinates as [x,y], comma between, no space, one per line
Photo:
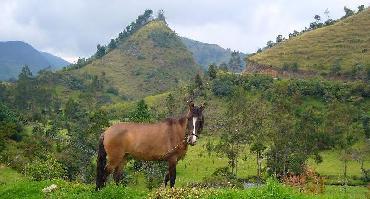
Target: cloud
[73,28]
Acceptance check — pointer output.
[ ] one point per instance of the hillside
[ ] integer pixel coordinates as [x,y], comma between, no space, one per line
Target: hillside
[15,54]
[54,60]
[346,43]
[206,54]
[150,61]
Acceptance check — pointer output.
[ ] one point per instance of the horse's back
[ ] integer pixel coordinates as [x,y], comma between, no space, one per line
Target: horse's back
[140,140]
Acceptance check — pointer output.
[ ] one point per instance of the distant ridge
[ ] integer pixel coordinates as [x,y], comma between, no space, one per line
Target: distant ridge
[206,54]
[15,54]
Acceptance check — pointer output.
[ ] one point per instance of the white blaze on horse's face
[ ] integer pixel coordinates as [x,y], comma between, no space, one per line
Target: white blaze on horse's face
[194,137]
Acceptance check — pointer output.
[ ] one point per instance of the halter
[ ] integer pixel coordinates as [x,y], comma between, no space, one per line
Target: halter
[184,141]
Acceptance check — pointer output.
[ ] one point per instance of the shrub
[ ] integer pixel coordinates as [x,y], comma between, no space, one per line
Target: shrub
[163,39]
[181,193]
[308,181]
[44,169]
[221,178]
[113,90]
[221,87]
[293,67]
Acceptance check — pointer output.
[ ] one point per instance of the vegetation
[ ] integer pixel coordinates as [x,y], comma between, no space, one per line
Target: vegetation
[205,54]
[279,138]
[345,42]
[15,186]
[15,54]
[150,61]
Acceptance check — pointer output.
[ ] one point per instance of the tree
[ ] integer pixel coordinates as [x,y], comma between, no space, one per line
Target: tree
[279,38]
[361,8]
[160,16]
[235,62]
[327,14]
[295,136]
[232,136]
[336,68]
[198,81]
[344,130]
[317,18]
[10,126]
[281,137]
[100,51]
[24,90]
[212,72]
[141,113]
[348,12]
[270,44]
[256,127]
[248,125]
[112,44]
[223,67]
[25,73]
[170,105]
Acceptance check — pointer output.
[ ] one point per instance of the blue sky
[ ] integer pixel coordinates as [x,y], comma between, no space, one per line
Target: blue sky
[73,28]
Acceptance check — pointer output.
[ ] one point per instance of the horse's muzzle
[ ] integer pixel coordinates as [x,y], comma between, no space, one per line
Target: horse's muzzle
[191,141]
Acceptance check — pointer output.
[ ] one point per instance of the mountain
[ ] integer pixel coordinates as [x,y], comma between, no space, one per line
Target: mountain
[150,61]
[54,60]
[206,54]
[345,44]
[15,54]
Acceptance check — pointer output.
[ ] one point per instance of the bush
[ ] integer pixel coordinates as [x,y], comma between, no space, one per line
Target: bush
[113,90]
[44,169]
[221,87]
[271,190]
[221,178]
[293,67]
[163,39]
[309,181]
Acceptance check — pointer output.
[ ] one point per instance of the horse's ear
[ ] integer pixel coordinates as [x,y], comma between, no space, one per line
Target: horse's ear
[191,104]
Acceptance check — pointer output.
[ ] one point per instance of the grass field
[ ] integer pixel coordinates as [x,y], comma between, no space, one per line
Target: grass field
[198,164]
[14,186]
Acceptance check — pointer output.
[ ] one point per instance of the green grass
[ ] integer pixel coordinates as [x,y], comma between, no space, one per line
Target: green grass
[332,166]
[318,50]
[14,185]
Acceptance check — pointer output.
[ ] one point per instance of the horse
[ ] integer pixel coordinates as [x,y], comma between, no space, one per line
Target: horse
[165,141]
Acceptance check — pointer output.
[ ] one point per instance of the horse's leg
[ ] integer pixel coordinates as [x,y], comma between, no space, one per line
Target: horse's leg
[114,161]
[172,170]
[166,179]
[117,175]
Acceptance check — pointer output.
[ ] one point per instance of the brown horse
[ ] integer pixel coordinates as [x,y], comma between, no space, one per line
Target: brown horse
[167,141]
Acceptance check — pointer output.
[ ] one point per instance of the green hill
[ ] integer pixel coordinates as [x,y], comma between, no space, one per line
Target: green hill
[150,61]
[346,43]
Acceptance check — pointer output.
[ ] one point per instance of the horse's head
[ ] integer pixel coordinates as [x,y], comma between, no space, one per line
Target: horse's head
[195,122]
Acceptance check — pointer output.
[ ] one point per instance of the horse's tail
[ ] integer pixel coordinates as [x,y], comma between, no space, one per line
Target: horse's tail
[100,164]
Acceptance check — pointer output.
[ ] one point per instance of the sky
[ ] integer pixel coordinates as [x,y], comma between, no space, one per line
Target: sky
[72,28]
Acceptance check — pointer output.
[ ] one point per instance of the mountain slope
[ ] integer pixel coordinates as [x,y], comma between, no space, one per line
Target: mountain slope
[150,61]
[15,54]
[206,54]
[54,61]
[347,42]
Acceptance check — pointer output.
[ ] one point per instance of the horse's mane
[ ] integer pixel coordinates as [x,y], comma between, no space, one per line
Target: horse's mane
[172,121]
